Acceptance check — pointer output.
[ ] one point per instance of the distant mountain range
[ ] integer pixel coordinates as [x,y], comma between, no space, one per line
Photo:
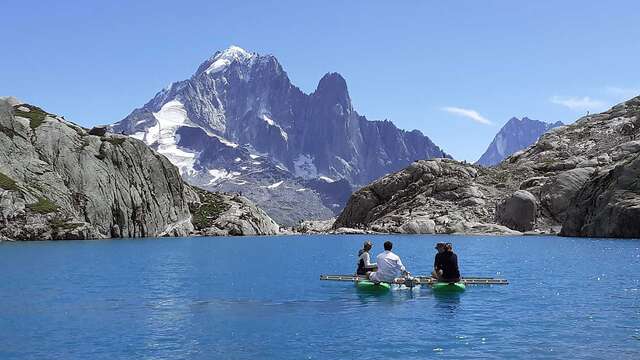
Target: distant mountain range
[239,125]
[515,135]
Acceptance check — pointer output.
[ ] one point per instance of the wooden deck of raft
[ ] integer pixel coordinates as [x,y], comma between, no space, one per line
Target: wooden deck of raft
[422,280]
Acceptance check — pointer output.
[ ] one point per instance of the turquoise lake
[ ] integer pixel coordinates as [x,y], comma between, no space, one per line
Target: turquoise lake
[261,298]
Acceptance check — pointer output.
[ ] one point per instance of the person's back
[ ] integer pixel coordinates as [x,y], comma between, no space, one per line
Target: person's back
[389,265]
[448,264]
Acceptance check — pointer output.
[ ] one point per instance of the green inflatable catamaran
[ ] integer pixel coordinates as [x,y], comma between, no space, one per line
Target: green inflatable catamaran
[448,287]
[366,285]
[373,287]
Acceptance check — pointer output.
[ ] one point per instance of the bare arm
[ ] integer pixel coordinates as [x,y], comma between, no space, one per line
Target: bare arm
[367,261]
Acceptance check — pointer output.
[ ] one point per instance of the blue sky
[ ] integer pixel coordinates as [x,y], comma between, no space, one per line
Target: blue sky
[456,70]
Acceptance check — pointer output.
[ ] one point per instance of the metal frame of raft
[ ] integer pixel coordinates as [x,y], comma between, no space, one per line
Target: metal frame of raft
[422,280]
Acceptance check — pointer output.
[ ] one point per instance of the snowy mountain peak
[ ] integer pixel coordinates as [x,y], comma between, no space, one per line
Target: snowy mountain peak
[240,125]
[236,52]
[222,59]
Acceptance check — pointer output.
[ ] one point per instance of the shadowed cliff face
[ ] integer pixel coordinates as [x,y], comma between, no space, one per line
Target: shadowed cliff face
[248,102]
[580,179]
[60,181]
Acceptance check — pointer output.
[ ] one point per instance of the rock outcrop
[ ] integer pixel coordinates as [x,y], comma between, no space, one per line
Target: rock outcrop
[58,181]
[216,214]
[578,178]
[608,205]
[430,196]
[314,226]
[518,211]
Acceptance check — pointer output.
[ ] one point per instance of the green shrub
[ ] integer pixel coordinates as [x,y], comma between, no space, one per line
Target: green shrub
[35,115]
[212,205]
[59,224]
[7,183]
[43,206]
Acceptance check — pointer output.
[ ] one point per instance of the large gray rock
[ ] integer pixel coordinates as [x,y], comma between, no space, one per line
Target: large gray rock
[518,211]
[418,226]
[62,183]
[59,182]
[556,194]
[608,205]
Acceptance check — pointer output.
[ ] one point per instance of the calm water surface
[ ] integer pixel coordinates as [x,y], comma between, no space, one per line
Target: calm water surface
[260,298]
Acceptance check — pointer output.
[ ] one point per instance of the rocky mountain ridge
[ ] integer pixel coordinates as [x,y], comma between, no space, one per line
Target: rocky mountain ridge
[61,181]
[515,135]
[239,124]
[576,180]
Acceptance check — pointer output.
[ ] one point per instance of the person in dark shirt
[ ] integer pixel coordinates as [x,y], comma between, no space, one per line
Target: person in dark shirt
[445,265]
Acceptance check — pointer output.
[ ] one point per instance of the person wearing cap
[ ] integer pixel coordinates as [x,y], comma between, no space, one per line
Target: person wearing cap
[436,262]
[364,260]
[390,266]
[445,265]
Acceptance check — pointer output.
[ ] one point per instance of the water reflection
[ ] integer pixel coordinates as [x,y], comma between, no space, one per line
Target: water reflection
[449,302]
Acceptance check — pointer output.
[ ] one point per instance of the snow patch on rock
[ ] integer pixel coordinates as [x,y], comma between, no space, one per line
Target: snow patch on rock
[327,179]
[221,174]
[275,185]
[272,123]
[268,120]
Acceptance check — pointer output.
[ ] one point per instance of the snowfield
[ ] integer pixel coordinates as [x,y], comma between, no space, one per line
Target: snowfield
[171,116]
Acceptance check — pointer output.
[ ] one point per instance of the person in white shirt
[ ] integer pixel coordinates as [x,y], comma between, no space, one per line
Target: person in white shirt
[364,260]
[389,266]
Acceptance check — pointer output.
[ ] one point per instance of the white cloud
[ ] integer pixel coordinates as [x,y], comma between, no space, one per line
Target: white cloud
[469,114]
[578,103]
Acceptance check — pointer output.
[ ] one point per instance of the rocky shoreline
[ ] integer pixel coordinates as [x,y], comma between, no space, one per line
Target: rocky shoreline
[576,180]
